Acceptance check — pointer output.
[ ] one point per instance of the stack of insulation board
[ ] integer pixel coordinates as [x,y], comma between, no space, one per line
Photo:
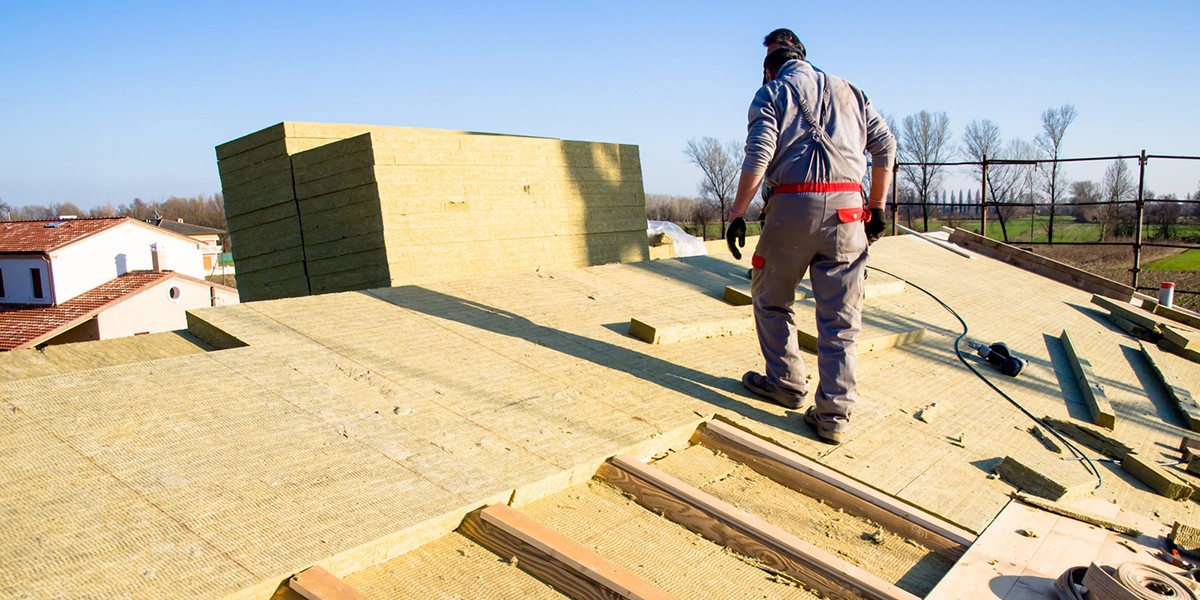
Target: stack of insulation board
[316,208]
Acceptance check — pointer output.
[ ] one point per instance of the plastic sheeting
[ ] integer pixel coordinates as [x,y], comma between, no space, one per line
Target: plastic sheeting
[684,244]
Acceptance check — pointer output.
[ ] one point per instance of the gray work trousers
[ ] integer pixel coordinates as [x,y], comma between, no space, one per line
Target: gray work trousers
[803,232]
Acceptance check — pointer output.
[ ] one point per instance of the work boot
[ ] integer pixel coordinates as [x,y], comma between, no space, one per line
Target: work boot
[759,385]
[824,430]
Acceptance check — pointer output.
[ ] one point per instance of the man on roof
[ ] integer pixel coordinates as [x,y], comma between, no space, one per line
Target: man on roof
[807,135]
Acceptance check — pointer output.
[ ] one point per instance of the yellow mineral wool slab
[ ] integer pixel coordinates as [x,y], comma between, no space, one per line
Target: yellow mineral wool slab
[284,210]
[250,176]
[354,197]
[248,142]
[252,159]
[276,198]
[283,256]
[348,262]
[337,225]
[361,174]
[349,242]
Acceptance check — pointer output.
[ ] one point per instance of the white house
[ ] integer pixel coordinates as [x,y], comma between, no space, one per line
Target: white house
[80,279]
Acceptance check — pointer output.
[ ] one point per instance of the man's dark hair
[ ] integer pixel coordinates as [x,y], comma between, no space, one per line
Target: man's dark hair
[785,37]
[781,55]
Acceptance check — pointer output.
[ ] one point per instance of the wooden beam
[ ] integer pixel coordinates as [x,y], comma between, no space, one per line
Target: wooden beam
[813,479]
[315,583]
[1179,394]
[1140,317]
[547,555]
[1041,265]
[1182,339]
[1177,315]
[744,533]
[1093,390]
[1134,329]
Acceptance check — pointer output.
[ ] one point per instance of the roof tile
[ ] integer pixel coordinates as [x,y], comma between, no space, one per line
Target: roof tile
[35,236]
[21,324]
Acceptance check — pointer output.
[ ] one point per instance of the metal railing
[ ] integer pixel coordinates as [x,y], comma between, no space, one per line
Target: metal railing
[1115,213]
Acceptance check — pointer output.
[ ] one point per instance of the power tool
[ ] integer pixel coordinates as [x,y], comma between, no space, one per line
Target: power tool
[998,355]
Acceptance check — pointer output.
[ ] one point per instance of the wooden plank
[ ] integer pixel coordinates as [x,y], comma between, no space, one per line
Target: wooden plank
[315,583]
[1179,394]
[1184,340]
[835,489]
[1159,479]
[992,564]
[659,332]
[1189,447]
[1093,391]
[549,556]
[1043,266]
[744,533]
[1178,315]
[1140,317]
[1134,329]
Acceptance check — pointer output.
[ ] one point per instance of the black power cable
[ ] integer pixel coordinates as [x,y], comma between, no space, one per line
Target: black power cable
[958,351]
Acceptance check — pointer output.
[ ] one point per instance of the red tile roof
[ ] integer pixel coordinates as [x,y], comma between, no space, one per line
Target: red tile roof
[25,325]
[35,236]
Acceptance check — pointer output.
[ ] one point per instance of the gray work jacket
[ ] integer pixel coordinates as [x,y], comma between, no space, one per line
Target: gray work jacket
[781,146]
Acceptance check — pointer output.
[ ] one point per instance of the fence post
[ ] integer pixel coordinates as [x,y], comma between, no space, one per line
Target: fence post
[983,201]
[1141,213]
[895,207]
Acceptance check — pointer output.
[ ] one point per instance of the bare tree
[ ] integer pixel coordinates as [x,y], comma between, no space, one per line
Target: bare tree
[1054,126]
[720,165]
[1008,182]
[926,143]
[1165,212]
[1083,194]
[1117,187]
[980,142]
[704,213]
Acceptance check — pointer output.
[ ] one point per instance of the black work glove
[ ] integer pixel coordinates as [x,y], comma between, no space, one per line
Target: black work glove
[876,225]
[736,231]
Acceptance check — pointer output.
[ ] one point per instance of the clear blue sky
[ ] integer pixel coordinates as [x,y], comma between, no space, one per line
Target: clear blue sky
[108,101]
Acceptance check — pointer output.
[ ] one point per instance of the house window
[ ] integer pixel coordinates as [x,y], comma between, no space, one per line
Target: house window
[36,275]
[2,294]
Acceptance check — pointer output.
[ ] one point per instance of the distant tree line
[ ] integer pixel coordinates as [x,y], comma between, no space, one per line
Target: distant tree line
[207,211]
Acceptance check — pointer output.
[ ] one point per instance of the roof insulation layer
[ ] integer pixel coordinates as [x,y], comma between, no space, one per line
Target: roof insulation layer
[354,427]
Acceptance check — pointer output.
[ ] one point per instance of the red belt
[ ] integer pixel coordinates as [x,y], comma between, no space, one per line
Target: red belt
[817,188]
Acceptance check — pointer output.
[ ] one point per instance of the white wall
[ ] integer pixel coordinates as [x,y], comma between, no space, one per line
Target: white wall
[116,251]
[154,309]
[18,281]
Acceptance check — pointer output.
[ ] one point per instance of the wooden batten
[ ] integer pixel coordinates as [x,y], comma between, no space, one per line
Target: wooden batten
[316,583]
[1043,266]
[813,479]
[744,533]
[547,555]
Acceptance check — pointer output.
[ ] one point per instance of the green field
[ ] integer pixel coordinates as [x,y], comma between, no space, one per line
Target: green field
[1186,261]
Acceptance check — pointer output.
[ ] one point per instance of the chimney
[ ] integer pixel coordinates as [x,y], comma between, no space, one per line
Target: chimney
[158,258]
